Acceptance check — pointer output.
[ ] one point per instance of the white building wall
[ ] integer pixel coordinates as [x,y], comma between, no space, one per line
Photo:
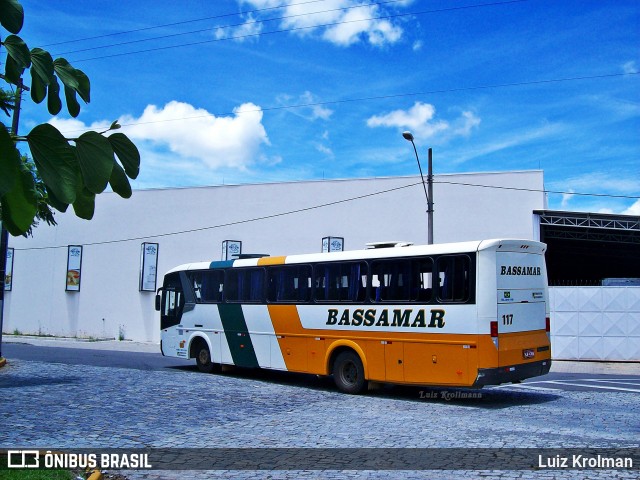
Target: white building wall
[190,224]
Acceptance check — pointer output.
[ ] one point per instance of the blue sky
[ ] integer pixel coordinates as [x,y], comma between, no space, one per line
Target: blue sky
[241,91]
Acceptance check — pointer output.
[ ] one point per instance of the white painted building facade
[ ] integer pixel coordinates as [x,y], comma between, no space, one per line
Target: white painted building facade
[190,224]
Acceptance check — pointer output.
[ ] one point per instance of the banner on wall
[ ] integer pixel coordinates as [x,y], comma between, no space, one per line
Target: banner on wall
[148,266]
[8,274]
[231,249]
[332,244]
[74,267]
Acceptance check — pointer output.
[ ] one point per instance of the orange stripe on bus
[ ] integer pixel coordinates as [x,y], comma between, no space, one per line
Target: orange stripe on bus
[271,260]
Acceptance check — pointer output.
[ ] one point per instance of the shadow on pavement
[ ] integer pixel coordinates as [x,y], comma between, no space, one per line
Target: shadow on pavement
[469,397]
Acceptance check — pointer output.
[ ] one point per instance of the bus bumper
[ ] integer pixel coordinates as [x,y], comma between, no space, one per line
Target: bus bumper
[514,373]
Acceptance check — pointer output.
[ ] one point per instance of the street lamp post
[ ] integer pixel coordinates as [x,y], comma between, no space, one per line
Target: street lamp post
[428,189]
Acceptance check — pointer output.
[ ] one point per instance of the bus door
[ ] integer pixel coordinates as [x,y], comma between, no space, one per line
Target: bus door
[521,329]
[170,302]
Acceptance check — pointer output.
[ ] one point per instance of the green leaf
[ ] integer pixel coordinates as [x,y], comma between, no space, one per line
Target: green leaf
[55,203]
[54,104]
[42,65]
[73,78]
[84,86]
[19,206]
[66,73]
[119,181]
[85,204]
[11,15]
[18,50]
[72,104]
[12,71]
[127,152]
[95,155]
[9,161]
[38,88]
[55,160]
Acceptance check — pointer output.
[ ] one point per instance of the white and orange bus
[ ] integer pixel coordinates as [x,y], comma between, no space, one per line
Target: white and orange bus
[459,314]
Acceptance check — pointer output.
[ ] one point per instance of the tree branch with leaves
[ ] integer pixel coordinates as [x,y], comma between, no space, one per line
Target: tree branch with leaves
[72,170]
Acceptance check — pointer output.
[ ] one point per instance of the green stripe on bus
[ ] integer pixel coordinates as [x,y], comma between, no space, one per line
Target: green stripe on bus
[237,333]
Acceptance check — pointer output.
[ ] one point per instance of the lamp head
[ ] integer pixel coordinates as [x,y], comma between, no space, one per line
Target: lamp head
[408,136]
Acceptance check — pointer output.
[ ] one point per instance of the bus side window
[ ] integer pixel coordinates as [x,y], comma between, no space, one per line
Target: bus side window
[401,280]
[212,283]
[340,282]
[424,279]
[289,284]
[196,282]
[244,285]
[454,278]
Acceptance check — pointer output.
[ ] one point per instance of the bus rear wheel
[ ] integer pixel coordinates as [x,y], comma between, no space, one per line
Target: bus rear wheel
[348,373]
[203,357]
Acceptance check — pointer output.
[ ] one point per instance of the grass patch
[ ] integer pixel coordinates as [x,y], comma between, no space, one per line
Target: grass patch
[37,475]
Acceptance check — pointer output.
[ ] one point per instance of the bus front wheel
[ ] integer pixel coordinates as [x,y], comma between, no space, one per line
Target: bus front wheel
[348,373]
[203,357]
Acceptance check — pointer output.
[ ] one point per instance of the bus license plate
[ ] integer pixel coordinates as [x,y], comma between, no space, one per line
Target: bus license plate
[529,353]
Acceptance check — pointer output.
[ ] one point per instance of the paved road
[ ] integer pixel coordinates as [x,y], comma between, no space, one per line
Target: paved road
[69,404]
[87,356]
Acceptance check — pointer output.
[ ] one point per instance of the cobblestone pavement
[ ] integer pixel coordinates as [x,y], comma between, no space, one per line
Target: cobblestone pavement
[56,406]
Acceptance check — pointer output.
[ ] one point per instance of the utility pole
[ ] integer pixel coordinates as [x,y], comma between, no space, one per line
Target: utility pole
[428,190]
[4,234]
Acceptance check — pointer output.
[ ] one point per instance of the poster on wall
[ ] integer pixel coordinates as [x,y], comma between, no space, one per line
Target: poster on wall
[148,266]
[332,244]
[231,249]
[74,266]
[8,274]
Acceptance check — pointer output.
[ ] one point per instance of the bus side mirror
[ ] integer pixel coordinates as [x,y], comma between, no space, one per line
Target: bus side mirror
[158,302]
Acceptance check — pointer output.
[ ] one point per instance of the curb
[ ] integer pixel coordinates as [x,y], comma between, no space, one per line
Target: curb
[95,475]
[3,362]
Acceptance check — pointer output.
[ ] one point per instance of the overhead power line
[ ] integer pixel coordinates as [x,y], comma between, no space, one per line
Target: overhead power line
[253,22]
[384,97]
[324,205]
[194,20]
[307,27]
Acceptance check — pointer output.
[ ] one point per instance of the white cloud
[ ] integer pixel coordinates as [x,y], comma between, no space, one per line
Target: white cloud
[324,149]
[566,197]
[633,209]
[419,119]
[226,141]
[310,109]
[251,28]
[182,133]
[630,67]
[599,182]
[509,140]
[466,123]
[338,21]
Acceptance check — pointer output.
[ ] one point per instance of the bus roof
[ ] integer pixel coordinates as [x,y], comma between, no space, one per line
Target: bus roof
[506,245]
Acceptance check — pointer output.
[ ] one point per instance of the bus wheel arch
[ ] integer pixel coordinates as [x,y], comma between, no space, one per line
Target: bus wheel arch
[346,363]
[200,350]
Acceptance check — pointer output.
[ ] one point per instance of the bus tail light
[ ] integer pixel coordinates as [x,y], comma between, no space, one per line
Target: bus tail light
[548,327]
[494,332]
[494,329]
